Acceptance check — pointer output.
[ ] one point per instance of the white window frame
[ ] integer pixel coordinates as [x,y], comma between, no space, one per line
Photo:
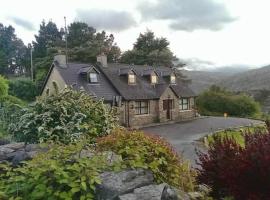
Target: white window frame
[173,79]
[154,79]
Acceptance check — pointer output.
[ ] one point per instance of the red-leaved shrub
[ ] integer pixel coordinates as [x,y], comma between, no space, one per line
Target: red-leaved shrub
[241,172]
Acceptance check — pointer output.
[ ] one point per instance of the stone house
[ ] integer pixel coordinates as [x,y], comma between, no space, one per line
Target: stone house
[142,94]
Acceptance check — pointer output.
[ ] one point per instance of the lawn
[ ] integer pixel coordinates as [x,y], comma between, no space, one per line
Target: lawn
[237,134]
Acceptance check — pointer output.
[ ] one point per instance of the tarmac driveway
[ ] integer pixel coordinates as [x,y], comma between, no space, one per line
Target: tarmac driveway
[183,135]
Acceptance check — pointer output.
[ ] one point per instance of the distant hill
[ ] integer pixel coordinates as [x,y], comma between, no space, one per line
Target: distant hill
[256,79]
[255,82]
[202,80]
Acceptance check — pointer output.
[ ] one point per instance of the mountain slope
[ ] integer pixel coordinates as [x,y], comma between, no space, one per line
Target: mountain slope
[256,79]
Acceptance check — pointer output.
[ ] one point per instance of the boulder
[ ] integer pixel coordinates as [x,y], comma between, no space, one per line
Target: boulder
[118,183]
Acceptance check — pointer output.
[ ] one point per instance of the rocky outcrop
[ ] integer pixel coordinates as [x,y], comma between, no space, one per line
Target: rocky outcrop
[136,184]
[129,184]
[17,152]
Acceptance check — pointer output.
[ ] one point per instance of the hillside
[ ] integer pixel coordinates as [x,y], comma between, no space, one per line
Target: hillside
[202,80]
[256,79]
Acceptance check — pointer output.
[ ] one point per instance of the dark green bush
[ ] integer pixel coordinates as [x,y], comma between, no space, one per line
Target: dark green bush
[3,87]
[216,101]
[58,174]
[154,153]
[24,89]
[64,117]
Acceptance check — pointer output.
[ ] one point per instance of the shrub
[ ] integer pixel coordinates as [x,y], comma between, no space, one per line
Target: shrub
[64,117]
[24,89]
[58,174]
[241,172]
[3,87]
[217,101]
[153,153]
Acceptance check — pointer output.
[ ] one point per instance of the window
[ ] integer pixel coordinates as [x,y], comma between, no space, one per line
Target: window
[141,107]
[93,77]
[131,79]
[191,103]
[173,79]
[154,79]
[184,104]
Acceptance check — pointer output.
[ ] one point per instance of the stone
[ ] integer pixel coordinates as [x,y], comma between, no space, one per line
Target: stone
[150,192]
[15,146]
[170,193]
[32,147]
[118,183]
[31,154]
[5,153]
[19,156]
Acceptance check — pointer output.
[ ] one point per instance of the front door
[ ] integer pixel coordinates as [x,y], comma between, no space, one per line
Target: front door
[167,106]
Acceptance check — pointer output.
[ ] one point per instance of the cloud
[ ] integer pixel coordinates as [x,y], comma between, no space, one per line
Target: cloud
[187,15]
[22,22]
[107,19]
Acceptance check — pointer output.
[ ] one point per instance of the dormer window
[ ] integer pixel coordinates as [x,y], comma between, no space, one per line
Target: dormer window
[173,79]
[154,79]
[131,78]
[93,77]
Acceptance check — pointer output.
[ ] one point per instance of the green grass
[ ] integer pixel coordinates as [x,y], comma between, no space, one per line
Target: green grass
[235,134]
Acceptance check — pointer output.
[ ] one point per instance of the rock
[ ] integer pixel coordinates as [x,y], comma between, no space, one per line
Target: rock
[19,156]
[15,146]
[150,192]
[118,183]
[32,147]
[169,193]
[5,153]
[31,154]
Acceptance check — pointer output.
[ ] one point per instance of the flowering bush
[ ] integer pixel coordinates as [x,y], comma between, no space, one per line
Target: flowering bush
[64,117]
[241,172]
[144,151]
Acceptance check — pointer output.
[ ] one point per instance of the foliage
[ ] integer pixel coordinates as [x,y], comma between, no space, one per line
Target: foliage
[144,151]
[48,37]
[24,89]
[84,43]
[61,173]
[238,135]
[217,101]
[64,117]
[12,51]
[149,50]
[232,170]
[3,87]
[9,109]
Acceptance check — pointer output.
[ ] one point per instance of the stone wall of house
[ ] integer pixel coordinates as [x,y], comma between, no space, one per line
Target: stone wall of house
[54,77]
[185,115]
[140,120]
[168,94]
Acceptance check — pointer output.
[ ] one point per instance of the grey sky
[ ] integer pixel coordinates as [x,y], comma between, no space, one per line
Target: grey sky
[22,22]
[210,33]
[187,15]
[106,19]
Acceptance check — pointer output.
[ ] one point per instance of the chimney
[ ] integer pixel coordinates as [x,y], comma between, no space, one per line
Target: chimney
[61,60]
[102,59]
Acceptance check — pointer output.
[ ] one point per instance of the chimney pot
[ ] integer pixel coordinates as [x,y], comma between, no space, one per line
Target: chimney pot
[102,59]
[61,60]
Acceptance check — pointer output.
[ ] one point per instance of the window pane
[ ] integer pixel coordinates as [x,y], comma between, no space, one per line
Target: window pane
[185,107]
[131,78]
[137,111]
[180,104]
[93,77]
[153,79]
[185,101]
[172,79]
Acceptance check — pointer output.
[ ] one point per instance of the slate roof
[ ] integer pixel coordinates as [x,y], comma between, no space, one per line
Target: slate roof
[113,81]
[103,89]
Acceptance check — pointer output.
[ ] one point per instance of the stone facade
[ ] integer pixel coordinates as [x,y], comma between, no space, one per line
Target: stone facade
[156,113]
[55,79]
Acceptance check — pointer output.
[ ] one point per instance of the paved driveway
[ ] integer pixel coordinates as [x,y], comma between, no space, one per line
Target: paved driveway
[184,134]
